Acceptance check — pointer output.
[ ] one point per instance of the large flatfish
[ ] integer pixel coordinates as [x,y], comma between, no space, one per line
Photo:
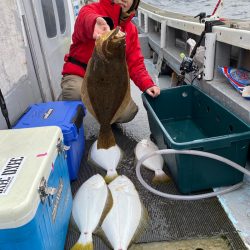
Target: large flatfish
[90,205]
[153,163]
[106,85]
[127,219]
[105,159]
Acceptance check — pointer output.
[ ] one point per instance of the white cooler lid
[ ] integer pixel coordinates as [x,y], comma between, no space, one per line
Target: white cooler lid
[26,156]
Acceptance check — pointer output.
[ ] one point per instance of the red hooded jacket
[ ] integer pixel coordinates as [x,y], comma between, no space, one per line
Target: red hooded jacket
[83,43]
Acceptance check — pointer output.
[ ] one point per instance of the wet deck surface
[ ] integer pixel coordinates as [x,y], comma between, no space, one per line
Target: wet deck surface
[213,243]
[169,220]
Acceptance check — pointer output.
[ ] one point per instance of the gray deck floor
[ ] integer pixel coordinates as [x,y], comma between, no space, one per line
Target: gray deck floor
[169,220]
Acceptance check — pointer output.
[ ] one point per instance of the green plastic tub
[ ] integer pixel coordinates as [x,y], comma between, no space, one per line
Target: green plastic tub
[186,118]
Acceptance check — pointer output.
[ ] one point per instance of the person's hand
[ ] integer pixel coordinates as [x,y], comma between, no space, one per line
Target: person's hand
[153,91]
[101,27]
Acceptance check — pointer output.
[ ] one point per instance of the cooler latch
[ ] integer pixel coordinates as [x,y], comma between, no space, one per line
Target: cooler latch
[61,147]
[45,191]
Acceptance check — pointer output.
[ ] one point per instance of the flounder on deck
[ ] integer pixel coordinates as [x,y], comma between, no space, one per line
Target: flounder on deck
[91,204]
[127,219]
[105,159]
[106,85]
[154,163]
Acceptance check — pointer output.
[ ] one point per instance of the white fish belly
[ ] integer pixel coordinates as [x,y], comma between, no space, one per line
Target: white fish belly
[89,203]
[145,147]
[107,159]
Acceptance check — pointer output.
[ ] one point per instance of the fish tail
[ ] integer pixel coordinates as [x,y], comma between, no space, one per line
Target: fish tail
[80,246]
[111,175]
[84,243]
[106,137]
[160,177]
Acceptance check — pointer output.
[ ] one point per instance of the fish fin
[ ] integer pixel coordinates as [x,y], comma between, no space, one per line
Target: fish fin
[160,177]
[124,105]
[142,225]
[73,225]
[84,94]
[110,176]
[106,137]
[80,246]
[101,234]
[85,242]
[107,208]
[99,231]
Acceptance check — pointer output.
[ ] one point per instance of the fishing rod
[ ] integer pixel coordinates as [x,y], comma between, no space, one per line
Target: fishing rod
[187,65]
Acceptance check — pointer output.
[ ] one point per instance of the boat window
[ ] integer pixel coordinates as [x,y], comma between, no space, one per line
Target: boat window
[49,18]
[61,15]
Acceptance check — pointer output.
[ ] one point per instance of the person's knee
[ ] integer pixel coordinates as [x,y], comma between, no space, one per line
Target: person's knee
[71,88]
[70,94]
[129,113]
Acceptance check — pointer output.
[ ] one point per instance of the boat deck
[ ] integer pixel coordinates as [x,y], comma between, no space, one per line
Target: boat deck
[169,220]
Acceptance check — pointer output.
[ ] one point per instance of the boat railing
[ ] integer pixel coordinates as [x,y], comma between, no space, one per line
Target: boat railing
[167,33]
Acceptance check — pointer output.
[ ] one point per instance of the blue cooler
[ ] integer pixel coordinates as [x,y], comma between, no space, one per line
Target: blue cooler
[35,193]
[68,115]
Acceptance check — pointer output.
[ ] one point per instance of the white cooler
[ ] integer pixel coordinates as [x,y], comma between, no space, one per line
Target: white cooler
[35,194]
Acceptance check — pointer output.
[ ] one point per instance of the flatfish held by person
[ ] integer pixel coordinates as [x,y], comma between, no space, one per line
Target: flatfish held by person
[106,84]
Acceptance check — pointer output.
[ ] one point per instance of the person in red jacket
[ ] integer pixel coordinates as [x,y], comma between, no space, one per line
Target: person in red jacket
[93,20]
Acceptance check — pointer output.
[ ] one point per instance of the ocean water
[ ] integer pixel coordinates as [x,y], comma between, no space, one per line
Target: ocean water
[235,9]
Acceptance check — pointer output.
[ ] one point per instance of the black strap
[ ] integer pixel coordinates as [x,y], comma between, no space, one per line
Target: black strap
[4,109]
[75,61]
